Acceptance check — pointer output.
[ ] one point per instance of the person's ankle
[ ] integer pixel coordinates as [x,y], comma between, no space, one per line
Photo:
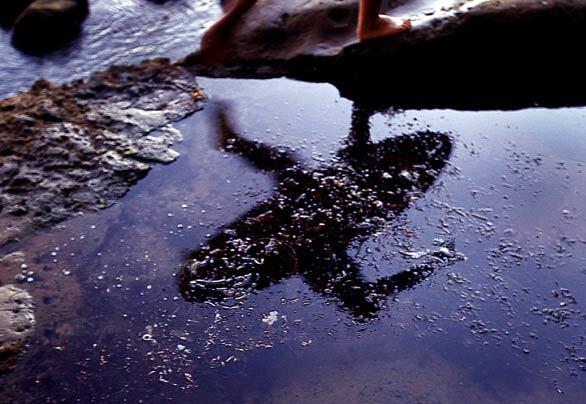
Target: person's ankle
[363,28]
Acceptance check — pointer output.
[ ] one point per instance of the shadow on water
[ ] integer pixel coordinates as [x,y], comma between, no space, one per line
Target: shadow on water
[307,227]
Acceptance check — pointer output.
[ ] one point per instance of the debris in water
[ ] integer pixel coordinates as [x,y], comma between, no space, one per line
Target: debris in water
[307,227]
[271,318]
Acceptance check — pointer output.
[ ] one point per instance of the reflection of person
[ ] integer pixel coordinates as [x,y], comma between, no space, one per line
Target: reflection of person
[306,228]
[370,25]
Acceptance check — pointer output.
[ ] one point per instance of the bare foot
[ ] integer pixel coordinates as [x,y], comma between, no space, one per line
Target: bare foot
[384,26]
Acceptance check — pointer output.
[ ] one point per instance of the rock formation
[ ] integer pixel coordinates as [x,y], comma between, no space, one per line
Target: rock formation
[477,54]
[17,321]
[41,25]
[78,147]
[11,9]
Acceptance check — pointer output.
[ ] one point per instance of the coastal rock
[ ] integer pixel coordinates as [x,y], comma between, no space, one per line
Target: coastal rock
[17,321]
[11,9]
[66,149]
[47,24]
[468,54]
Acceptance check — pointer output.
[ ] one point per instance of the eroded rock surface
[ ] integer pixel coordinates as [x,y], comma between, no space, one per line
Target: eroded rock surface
[79,147]
[490,53]
[17,321]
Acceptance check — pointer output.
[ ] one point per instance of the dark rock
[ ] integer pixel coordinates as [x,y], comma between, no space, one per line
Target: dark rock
[493,54]
[47,24]
[11,9]
[79,147]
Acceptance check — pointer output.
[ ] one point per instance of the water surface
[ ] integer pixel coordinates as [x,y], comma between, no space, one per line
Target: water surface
[116,32]
[506,324]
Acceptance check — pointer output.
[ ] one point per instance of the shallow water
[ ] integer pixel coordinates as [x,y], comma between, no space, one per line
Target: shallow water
[507,324]
[500,325]
[116,32]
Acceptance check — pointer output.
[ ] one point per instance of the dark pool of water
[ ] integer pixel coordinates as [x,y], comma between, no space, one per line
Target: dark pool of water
[505,325]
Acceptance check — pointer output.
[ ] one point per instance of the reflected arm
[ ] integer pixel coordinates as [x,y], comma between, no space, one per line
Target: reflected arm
[258,154]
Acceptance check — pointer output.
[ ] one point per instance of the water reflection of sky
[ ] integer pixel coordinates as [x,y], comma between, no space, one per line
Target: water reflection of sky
[505,325]
[487,329]
[512,202]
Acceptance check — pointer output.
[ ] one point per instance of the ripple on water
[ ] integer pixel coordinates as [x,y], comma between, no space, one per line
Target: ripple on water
[116,32]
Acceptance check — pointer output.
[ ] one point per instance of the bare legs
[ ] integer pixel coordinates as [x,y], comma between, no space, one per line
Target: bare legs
[373,25]
[370,25]
[213,44]
[233,11]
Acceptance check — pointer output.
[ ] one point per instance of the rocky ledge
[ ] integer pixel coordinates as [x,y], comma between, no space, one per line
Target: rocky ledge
[471,54]
[17,321]
[66,149]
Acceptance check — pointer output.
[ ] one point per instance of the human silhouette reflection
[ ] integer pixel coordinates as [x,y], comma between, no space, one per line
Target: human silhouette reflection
[305,229]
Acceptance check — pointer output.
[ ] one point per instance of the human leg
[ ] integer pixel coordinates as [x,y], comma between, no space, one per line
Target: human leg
[212,44]
[373,25]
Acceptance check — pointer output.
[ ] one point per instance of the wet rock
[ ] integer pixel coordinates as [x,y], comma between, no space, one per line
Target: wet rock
[17,321]
[72,148]
[11,9]
[12,261]
[47,24]
[470,55]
